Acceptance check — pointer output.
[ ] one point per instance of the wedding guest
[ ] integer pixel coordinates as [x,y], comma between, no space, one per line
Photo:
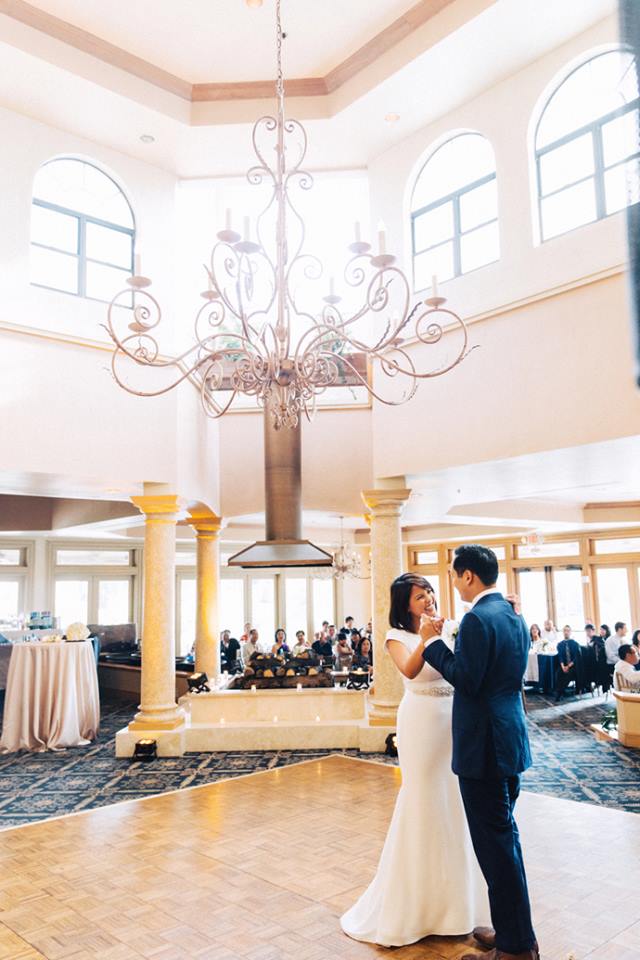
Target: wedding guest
[331,633]
[613,642]
[536,637]
[349,625]
[625,673]
[280,647]
[251,646]
[597,658]
[343,653]
[245,633]
[364,655]
[229,652]
[549,633]
[635,642]
[568,663]
[323,647]
[301,645]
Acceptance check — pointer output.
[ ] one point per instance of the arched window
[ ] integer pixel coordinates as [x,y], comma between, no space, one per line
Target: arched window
[454,211]
[586,145]
[82,230]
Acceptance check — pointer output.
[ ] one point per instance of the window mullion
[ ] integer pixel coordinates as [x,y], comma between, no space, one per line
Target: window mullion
[457,234]
[82,258]
[598,166]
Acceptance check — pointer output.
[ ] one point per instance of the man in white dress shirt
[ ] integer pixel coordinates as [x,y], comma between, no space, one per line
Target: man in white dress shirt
[625,673]
[613,643]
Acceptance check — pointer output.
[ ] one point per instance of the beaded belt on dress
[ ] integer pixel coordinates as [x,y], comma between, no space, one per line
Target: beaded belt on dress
[432,691]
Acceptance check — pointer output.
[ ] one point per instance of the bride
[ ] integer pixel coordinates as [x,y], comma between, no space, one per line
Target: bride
[428,880]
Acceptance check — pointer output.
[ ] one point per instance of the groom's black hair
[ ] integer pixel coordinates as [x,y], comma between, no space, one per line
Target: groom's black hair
[399,616]
[477,559]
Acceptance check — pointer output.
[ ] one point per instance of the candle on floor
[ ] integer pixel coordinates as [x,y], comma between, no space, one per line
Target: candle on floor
[317,719]
[298,687]
[222,721]
[275,719]
[253,688]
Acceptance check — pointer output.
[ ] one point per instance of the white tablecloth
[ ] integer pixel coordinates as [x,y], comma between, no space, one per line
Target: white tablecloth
[52,699]
[532,674]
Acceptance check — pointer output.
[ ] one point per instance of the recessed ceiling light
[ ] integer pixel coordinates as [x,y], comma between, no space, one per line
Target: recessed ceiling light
[392,117]
[147,138]
[253,3]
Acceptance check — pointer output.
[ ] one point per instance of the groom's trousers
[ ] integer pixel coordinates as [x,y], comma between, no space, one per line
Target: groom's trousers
[489,808]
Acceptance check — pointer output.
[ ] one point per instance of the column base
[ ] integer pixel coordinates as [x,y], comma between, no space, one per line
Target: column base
[171,743]
[163,720]
[381,714]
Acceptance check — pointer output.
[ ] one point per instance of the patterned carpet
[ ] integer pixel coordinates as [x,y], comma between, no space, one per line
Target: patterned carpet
[568,763]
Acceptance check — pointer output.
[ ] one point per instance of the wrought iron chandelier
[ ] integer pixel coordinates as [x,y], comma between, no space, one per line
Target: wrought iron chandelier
[253,335]
[348,562]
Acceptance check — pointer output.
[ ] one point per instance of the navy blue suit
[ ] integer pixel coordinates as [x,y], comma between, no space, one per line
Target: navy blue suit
[490,751]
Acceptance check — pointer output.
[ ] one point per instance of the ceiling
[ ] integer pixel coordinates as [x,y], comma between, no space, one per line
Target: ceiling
[456,49]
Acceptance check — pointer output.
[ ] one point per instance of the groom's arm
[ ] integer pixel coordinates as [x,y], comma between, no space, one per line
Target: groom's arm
[466,669]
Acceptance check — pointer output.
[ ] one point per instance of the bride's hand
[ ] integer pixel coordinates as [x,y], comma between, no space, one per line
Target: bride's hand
[514,600]
[431,627]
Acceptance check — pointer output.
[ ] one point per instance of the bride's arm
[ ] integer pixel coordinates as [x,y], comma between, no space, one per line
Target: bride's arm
[409,664]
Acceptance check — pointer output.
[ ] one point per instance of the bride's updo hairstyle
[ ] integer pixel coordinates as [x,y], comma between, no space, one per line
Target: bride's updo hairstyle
[399,615]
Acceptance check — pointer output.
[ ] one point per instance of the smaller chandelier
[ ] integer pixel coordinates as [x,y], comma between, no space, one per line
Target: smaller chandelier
[347,562]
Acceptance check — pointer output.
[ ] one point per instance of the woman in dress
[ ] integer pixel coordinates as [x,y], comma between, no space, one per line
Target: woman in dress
[428,881]
[536,637]
[280,648]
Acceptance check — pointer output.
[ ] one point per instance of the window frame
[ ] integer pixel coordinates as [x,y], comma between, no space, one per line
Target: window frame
[594,129]
[81,254]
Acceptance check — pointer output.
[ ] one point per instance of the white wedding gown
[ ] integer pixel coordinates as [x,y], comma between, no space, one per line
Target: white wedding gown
[428,880]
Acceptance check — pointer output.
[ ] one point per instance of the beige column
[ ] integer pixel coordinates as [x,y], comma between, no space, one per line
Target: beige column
[158,708]
[207,527]
[384,511]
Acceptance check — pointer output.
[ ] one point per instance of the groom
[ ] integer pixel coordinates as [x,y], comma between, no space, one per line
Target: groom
[490,743]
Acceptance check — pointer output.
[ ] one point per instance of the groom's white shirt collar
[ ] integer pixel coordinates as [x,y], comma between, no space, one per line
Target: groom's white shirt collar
[485,593]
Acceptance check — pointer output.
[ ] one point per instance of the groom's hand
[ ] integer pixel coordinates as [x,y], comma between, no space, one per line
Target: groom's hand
[430,628]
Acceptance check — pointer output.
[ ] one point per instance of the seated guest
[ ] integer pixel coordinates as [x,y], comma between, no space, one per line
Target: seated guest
[356,640]
[280,648]
[364,656]
[568,662]
[322,647]
[635,642]
[343,652]
[301,645]
[625,674]
[613,643]
[536,637]
[229,652]
[251,646]
[330,635]
[598,674]
[245,633]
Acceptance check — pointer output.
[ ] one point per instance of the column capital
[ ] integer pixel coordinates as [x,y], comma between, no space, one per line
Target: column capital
[385,503]
[157,504]
[205,523]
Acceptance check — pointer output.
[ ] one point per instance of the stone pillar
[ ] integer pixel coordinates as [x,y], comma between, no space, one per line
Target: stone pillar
[158,708]
[207,527]
[384,508]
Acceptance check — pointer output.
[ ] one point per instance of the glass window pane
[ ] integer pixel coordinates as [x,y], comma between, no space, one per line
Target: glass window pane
[438,261]
[232,606]
[295,607]
[54,229]
[457,163]
[423,557]
[599,86]
[187,626]
[9,600]
[263,610]
[613,596]
[185,558]
[532,587]
[620,138]
[111,246]
[571,208]
[479,247]
[104,282]
[542,548]
[566,164]
[56,270]
[618,545]
[96,558]
[10,558]
[479,205]
[82,187]
[71,602]
[569,606]
[433,226]
[323,602]
[434,580]
[622,186]
[113,601]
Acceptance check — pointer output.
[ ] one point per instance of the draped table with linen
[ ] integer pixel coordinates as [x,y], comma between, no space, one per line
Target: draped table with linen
[541,669]
[52,699]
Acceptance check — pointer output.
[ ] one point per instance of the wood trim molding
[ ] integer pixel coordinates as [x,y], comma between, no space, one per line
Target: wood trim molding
[95,46]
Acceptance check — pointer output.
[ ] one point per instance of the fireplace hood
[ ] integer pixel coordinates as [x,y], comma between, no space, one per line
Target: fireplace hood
[283,545]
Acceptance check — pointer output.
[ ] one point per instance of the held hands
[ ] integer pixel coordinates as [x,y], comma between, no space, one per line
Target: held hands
[514,600]
[431,627]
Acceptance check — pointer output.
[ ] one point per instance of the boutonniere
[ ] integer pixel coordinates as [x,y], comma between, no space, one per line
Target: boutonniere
[455,630]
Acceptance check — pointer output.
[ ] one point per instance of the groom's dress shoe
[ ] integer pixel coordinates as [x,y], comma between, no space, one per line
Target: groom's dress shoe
[486,936]
[495,954]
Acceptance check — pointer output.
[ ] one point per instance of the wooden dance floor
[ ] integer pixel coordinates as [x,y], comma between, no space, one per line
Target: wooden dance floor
[260,868]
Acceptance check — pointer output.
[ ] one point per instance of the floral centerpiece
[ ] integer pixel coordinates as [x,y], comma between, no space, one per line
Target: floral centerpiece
[77,631]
